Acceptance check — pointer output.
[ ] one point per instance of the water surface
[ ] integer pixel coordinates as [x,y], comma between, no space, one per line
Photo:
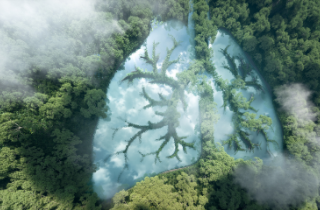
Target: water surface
[262,103]
[126,104]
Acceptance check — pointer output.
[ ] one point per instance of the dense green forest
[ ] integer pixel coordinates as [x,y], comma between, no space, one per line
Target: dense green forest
[46,134]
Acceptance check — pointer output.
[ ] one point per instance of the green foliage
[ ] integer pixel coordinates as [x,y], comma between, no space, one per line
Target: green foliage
[216,179]
[234,143]
[278,35]
[44,164]
[8,162]
[203,30]
[10,100]
[143,194]
[299,136]
[36,101]
[176,9]
[154,193]
[237,102]
[216,164]
[232,67]
[266,42]
[56,107]
[208,116]
[262,123]
[188,195]
[120,198]
[95,100]
[52,180]
[249,43]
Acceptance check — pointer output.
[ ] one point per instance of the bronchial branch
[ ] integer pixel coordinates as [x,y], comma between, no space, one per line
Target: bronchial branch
[243,121]
[170,117]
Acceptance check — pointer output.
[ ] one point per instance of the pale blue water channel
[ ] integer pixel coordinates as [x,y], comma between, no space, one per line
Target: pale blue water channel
[126,103]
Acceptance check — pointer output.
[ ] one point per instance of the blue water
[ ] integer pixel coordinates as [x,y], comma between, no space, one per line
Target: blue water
[262,103]
[126,103]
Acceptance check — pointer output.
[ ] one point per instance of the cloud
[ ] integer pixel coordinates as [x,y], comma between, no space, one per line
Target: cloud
[294,99]
[50,36]
[285,181]
[104,185]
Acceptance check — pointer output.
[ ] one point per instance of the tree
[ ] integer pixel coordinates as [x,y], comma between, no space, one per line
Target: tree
[95,101]
[249,43]
[8,162]
[152,193]
[58,106]
[262,23]
[272,63]
[215,165]
[266,42]
[203,31]
[186,187]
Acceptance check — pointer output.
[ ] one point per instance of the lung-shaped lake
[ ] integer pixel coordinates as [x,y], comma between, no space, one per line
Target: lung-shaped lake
[248,125]
[140,137]
[150,129]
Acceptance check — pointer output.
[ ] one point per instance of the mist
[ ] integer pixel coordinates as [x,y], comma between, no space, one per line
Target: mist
[285,181]
[52,38]
[294,100]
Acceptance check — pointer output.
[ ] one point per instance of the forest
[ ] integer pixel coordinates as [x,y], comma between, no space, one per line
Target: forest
[52,97]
